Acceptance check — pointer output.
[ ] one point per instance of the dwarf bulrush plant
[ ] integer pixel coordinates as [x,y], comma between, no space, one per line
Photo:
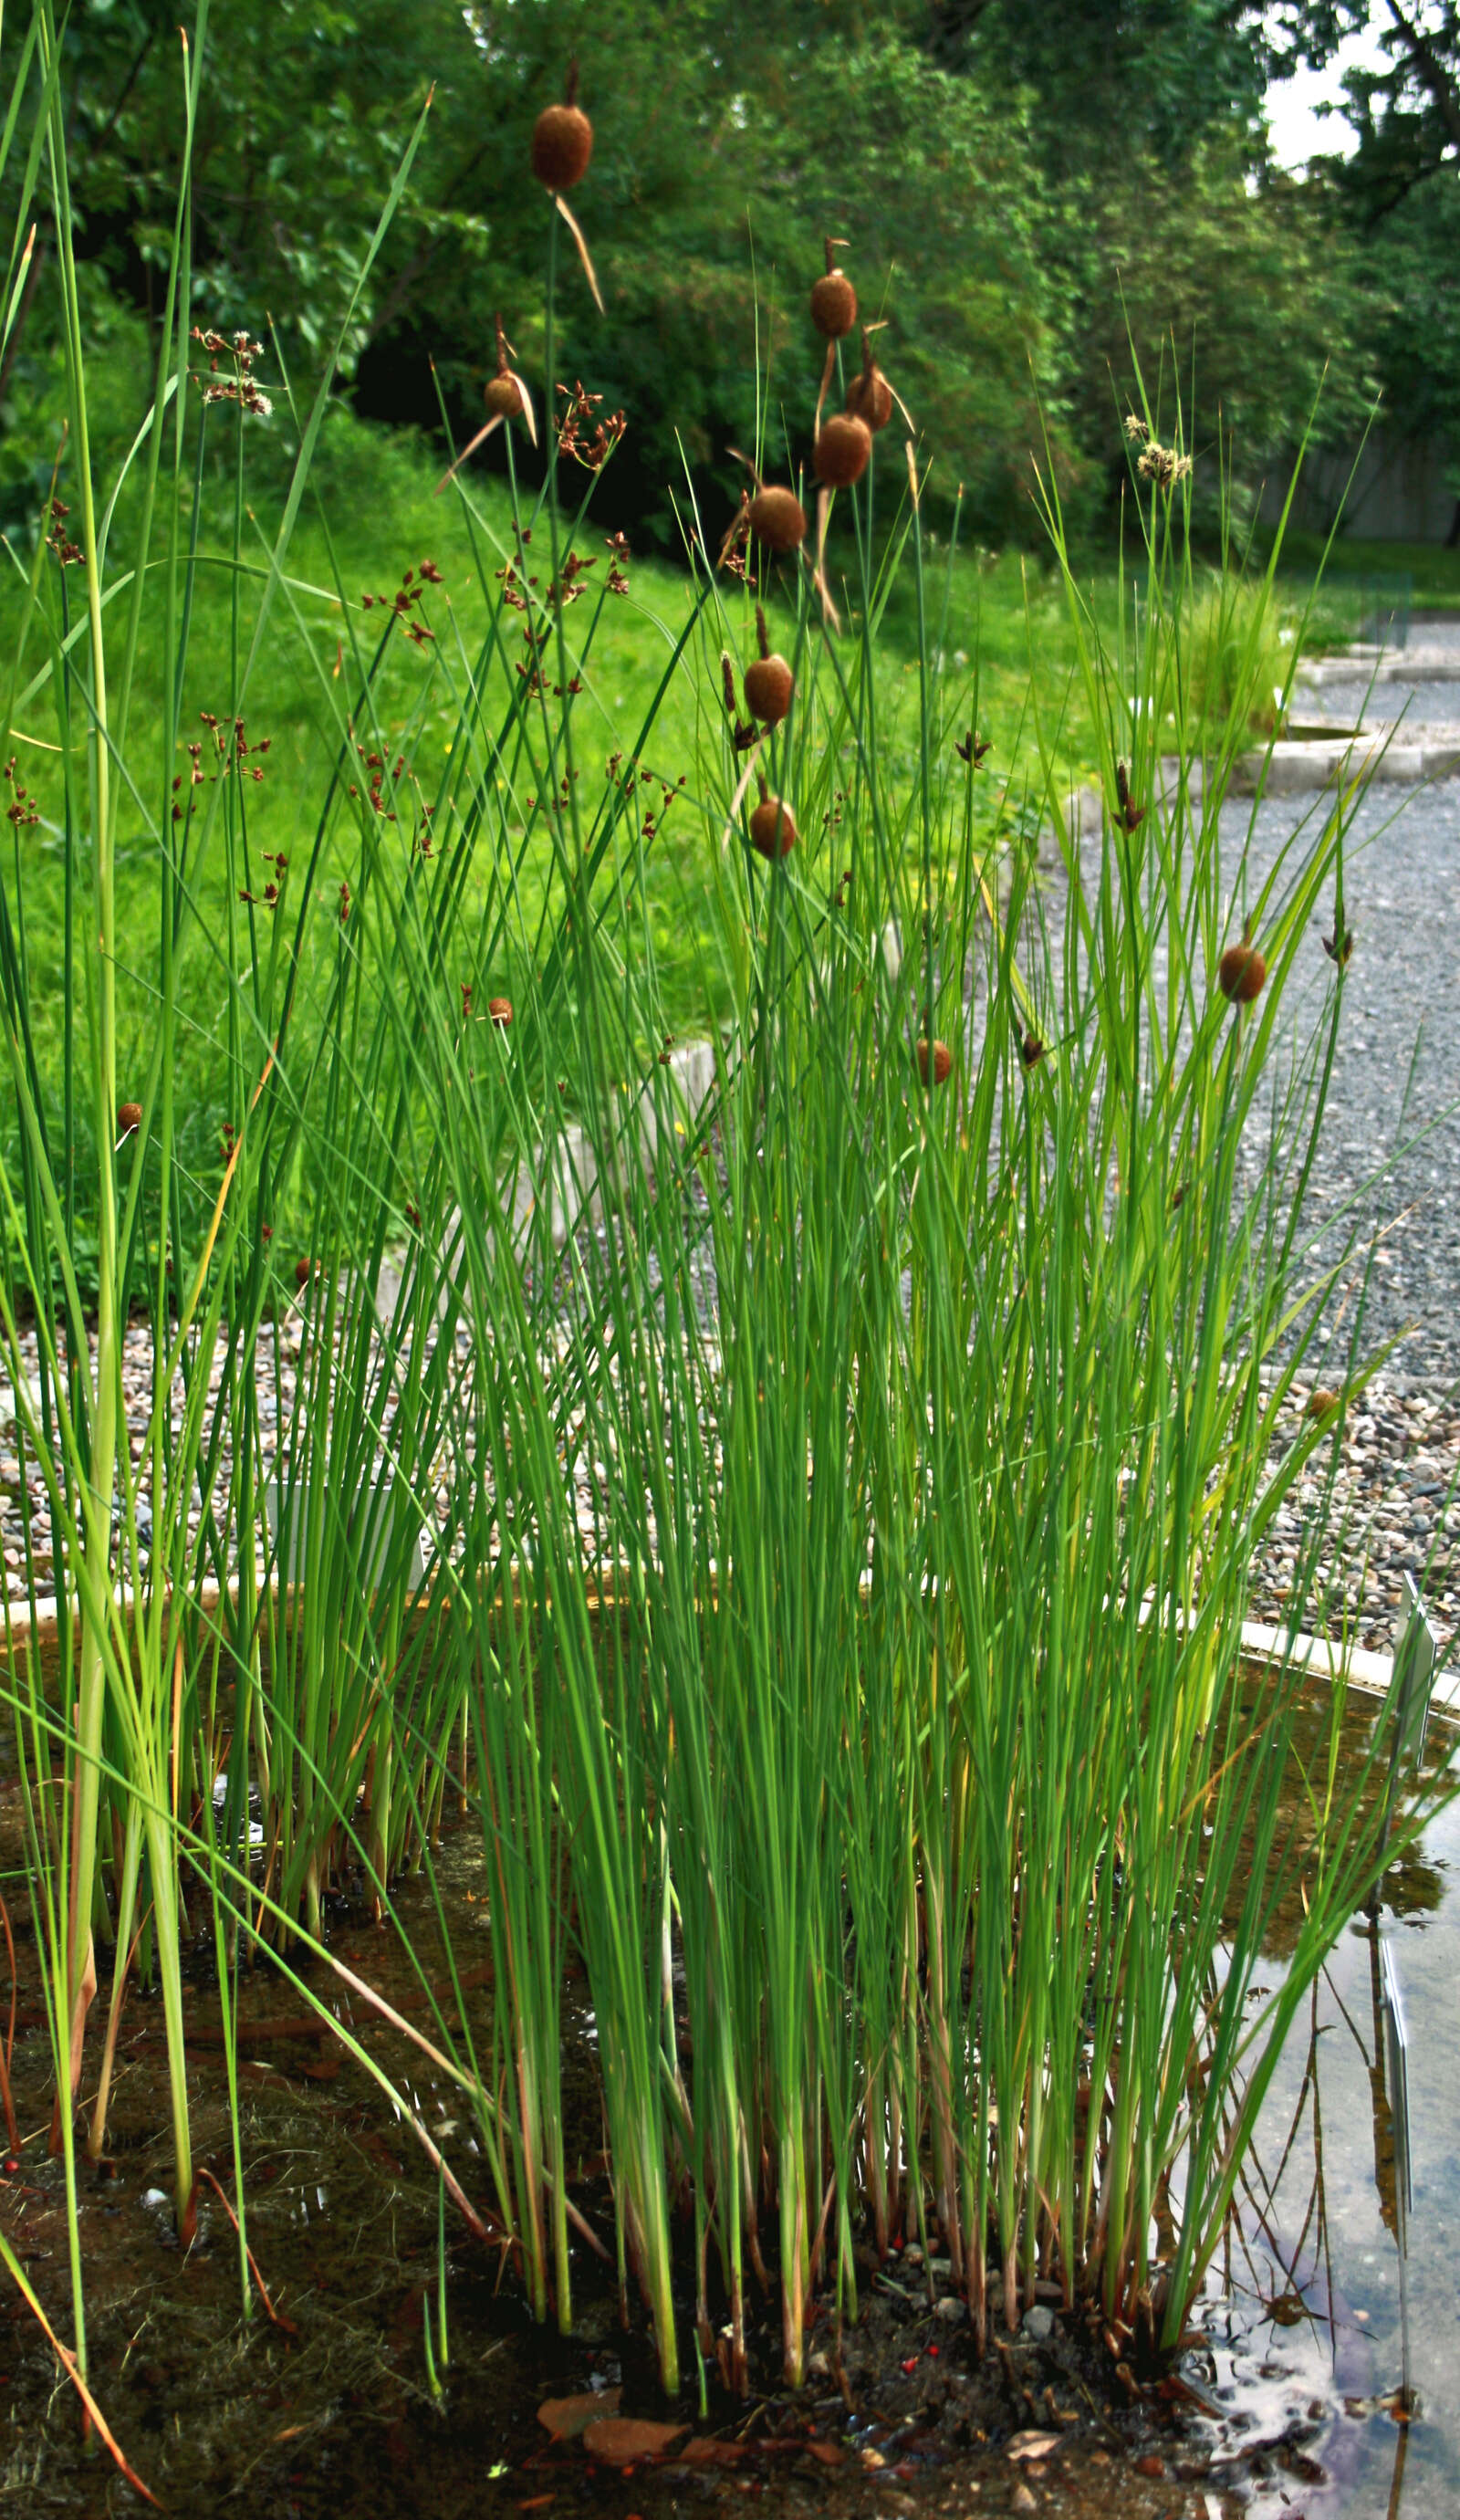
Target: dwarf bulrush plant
[805,1513]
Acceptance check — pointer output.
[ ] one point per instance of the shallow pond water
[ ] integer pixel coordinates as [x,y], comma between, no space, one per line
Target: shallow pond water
[1288,2406]
[1317,2302]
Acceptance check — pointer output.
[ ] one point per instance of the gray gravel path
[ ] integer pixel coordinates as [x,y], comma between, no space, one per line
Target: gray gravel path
[1395,1105]
[1360,702]
[1389,1166]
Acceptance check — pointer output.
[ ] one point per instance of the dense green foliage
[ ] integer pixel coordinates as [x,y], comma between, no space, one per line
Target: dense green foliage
[1015,187]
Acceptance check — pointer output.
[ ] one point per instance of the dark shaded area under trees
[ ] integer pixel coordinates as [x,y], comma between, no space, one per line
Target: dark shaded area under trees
[1025,191]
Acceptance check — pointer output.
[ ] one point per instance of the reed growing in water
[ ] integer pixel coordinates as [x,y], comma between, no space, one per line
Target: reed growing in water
[878,1741]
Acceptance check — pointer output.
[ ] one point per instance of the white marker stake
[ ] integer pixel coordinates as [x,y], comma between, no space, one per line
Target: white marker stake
[1396,2076]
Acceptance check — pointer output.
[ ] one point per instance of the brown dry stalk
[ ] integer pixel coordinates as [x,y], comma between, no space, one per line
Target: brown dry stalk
[72,2370]
[277,2316]
[830,612]
[12,2131]
[828,371]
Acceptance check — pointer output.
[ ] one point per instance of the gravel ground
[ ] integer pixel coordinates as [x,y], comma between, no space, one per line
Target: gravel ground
[1390,1162]
[1410,705]
[1389,1166]
[1389,1155]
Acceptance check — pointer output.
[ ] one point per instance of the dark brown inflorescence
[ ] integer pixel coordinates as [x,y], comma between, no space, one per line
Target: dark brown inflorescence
[833,300]
[943,1061]
[843,451]
[504,394]
[1128,814]
[870,395]
[562,141]
[499,1011]
[1241,973]
[776,518]
[128,1118]
[773,831]
[768,682]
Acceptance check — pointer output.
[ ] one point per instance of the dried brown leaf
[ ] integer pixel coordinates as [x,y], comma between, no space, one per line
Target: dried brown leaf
[620,2440]
[469,448]
[584,256]
[565,2418]
[527,411]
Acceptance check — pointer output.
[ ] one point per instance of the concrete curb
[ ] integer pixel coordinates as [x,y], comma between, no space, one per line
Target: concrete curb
[1369,1674]
[1380,665]
[1287,769]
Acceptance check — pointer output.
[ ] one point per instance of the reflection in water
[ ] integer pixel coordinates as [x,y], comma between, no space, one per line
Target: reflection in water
[1333,2330]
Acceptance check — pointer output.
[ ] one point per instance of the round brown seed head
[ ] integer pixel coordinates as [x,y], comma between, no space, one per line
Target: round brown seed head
[499,1010]
[562,142]
[943,1061]
[777,519]
[834,305]
[768,688]
[843,451]
[1032,1049]
[772,833]
[870,395]
[128,1117]
[303,1272]
[503,397]
[1240,973]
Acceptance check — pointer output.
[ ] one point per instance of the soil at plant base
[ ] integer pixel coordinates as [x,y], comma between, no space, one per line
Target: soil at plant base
[327,2408]
[331,2412]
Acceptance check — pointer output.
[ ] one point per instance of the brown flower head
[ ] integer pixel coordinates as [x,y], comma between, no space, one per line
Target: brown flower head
[562,140]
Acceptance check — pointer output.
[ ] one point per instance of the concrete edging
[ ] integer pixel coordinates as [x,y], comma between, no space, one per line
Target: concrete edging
[1371,1675]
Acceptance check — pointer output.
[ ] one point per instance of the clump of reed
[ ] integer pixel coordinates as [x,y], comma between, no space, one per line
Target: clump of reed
[891,1760]
[879,1739]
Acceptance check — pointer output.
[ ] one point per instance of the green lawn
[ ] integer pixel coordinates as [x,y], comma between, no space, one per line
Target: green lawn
[1004,634]
[998,631]
[1360,572]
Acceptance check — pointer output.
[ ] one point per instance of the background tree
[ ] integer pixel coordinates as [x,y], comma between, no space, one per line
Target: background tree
[1158,75]
[1399,196]
[1016,186]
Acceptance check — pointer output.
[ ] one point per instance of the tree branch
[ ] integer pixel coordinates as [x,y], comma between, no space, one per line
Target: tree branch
[952,21]
[1430,69]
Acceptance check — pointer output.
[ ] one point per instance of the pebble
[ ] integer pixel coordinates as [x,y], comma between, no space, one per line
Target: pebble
[950,2310]
[1039,2323]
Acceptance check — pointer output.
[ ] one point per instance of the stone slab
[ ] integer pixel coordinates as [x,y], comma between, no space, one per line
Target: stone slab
[1301,769]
